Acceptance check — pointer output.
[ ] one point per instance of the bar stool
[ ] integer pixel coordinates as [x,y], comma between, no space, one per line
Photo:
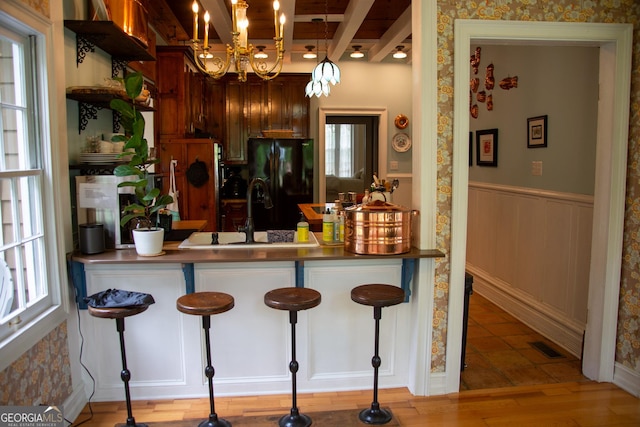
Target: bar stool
[293,300]
[206,304]
[378,296]
[120,313]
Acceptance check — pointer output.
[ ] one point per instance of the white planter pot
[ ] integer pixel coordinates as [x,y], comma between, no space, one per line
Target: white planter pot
[148,242]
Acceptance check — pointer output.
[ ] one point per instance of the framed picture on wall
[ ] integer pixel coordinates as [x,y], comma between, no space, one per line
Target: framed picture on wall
[487,147]
[537,132]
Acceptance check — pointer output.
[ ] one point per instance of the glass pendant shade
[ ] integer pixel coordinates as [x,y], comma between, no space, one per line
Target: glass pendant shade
[317,88]
[326,71]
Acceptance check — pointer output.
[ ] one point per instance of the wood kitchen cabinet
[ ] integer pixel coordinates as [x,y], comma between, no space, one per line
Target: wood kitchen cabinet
[257,105]
[194,202]
[233,214]
[190,103]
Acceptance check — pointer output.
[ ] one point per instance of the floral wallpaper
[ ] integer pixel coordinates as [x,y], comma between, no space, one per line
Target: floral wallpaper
[41,6]
[42,375]
[605,11]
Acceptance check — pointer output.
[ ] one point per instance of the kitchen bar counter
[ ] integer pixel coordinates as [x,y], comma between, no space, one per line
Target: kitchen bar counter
[174,255]
[165,352]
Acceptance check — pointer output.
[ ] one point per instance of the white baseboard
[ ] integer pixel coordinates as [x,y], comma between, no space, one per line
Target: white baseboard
[627,379]
[74,404]
[538,316]
[437,383]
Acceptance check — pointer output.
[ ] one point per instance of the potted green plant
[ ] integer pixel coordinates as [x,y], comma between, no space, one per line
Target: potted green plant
[149,201]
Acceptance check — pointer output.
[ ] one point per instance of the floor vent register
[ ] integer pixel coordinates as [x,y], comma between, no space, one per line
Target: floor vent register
[545,349]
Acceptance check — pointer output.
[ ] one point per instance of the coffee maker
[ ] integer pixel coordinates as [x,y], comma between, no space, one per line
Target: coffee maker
[100,200]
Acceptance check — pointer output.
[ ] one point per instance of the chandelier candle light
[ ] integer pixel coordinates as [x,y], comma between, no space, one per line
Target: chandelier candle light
[241,53]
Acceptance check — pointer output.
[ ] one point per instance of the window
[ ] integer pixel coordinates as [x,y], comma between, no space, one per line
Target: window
[25,279]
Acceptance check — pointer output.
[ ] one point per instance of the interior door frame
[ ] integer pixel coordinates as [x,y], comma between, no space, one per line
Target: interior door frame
[381,113]
[615,43]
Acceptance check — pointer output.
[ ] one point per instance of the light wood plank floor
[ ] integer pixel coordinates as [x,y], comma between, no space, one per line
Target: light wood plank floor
[566,404]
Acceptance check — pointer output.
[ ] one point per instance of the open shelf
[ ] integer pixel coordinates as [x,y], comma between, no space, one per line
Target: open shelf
[109,37]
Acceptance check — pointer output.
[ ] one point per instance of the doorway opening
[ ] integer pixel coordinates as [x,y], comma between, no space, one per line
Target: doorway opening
[614,41]
[368,125]
[350,153]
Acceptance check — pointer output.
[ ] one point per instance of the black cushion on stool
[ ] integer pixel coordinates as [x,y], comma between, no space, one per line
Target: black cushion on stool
[118,298]
[292,299]
[205,303]
[377,295]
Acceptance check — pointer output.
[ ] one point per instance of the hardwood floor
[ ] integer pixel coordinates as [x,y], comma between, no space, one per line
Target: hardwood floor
[500,352]
[505,383]
[565,404]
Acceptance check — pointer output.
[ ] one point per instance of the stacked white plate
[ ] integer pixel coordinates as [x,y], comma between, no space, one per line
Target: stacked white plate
[99,158]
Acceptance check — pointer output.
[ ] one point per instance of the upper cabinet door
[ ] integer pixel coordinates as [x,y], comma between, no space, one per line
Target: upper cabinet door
[257,105]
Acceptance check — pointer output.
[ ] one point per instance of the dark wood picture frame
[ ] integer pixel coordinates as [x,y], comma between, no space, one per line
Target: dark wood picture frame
[487,147]
[537,132]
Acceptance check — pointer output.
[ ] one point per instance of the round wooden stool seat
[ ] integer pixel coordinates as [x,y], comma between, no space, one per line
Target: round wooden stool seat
[116,312]
[292,299]
[377,295]
[205,303]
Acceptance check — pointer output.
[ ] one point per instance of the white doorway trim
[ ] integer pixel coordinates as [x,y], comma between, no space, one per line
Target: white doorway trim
[615,43]
[382,146]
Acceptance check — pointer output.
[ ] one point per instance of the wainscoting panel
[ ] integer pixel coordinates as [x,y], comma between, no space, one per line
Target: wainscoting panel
[531,248]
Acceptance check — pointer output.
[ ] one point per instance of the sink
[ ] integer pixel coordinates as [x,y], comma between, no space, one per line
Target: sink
[236,240]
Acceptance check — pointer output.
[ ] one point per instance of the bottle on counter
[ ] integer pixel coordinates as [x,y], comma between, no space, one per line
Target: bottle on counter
[327,227]
[341,227]
[335,214]
[303,230]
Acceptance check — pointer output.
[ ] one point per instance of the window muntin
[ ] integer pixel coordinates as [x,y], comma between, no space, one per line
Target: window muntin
[24,289]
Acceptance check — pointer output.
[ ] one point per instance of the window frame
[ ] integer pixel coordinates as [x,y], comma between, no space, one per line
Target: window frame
[50,116]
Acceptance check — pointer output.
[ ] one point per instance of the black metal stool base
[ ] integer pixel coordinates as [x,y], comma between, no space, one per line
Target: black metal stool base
[295,419]
[214,421]
[134,424]
[375,415]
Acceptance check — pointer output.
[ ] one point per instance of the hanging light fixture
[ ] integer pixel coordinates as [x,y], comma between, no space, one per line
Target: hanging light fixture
[309,54]
[399,53]
[356,52]
[241,53]
[326,72]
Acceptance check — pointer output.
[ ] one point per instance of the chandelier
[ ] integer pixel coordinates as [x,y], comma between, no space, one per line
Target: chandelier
[241,54]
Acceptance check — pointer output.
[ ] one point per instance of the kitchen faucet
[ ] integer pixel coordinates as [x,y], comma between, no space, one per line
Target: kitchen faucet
[249,228]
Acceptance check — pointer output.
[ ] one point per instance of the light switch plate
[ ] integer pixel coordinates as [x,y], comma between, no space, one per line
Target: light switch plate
[536,168]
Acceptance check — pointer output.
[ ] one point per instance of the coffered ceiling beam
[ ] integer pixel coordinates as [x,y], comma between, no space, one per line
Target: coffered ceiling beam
[220,19]
[354,15]
[395,35]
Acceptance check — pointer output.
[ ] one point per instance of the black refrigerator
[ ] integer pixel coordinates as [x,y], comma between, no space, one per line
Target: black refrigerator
[286,164]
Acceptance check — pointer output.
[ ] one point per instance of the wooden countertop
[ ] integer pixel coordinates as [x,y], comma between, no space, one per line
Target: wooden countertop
[181,256]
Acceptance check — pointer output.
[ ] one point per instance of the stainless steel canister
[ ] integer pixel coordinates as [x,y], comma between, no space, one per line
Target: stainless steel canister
[379,228]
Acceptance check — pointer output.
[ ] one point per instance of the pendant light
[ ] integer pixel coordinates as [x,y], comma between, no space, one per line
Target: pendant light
[326,72]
